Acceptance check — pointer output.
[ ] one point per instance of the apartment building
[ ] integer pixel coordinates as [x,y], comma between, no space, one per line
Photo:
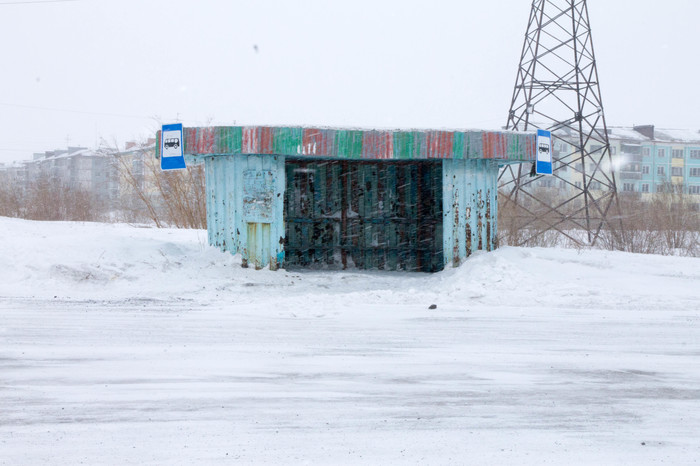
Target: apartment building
[77,168]
[645,160]
[650,160]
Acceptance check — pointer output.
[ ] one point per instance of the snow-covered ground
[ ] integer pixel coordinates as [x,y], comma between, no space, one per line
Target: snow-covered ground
[124,345]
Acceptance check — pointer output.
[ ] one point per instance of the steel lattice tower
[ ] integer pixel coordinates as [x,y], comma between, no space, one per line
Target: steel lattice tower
[557,89]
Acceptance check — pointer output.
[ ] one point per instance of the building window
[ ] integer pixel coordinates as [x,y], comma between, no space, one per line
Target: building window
[676,171]
[645,169]
[632,149]
[661,170]
[677,153]
[577,184]
[596,147]
[613,150]
[659,188]
[693,189]
[661,152]
[695,172]
[695,154]
[645,187]
[628,187]
[646,152]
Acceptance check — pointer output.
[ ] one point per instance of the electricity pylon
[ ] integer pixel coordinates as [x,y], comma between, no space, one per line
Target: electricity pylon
[557,89]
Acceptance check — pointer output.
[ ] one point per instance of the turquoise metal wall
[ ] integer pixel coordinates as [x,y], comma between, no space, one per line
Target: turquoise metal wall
[388,216]
[245,204]
[470,206]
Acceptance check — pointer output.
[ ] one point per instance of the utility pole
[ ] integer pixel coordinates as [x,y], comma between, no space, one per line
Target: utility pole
[557,89]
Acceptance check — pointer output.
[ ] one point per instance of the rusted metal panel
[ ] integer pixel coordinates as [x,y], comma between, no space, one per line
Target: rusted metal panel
[318,142]
[530,150]
[377,145]
[257,140]
[190,140]
[494,146]
[250,142]
[266,135]
[469,203]
[205,140]
[439,144]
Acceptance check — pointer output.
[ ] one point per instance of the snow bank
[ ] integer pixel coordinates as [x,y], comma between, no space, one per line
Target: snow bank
[126,345]
[115,261]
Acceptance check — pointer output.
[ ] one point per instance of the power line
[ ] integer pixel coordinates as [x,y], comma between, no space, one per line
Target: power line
[37,1]
[83,112]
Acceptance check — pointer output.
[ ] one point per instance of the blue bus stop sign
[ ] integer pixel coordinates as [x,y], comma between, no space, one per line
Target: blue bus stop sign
[544,152]
[172,155]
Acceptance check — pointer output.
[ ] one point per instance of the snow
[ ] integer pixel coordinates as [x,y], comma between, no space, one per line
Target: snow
[626,134]
[677,135]
[125,345]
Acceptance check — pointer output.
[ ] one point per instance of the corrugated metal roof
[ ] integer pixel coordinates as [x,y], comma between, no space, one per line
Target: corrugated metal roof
[339,143]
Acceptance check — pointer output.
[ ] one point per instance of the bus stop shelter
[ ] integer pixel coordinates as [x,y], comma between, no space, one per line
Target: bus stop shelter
[373,199]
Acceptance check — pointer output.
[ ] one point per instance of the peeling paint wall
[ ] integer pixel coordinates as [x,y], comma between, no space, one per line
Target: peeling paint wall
[245,205]
[469,208]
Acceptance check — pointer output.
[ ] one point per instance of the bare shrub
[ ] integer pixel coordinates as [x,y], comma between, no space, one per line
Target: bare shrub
[11,195]
[47,198]
[182,195]
[677,220]
[638,233]
[665,223]
[531,221]
[137,201]
[172,198]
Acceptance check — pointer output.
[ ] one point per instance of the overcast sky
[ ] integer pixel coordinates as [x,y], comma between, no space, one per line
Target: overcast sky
[74,72]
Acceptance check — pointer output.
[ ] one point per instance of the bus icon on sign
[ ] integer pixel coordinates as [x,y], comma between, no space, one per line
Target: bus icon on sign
[172,157]
[543,164]
[173,143]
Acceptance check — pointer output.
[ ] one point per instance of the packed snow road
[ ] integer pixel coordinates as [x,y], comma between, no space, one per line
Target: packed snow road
[128,345]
